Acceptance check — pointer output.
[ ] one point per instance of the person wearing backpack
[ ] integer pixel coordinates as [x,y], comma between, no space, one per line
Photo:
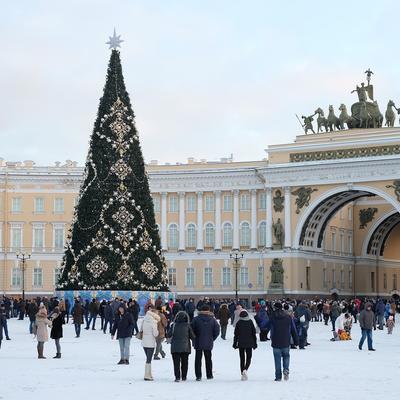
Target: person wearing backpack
[180,334]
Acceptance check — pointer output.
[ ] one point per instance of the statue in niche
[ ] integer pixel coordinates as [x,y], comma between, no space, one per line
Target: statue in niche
[278,201]
[276,273]
[278,232]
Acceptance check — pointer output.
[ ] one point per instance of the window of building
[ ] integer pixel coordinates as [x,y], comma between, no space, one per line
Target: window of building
[173,236]
[190,276]
[262,234]
[334,278]
[172,276]
[394,285]
[245,202]
[227,202]
[191,203]
[260,276]
[59,205]
[262,201]
[16,277]
[173,203]
[191,236]
[341,238]
[373,281]
[350,279]
[350,213]
[324,278]
[385,281]
[210,235]
[16,238]
[37,277]
[57,274]
[39,205]
[38,238]
[209,202]
[244,276]
[350,244]
[342,279]
[333,241]
[16,205]
[245,234]
[226,276]
[58,238]
[227,235]
[308,285]
[157,204]
[208,276]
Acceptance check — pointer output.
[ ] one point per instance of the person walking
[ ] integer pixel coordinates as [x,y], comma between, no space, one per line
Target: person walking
[149,333]
[367,322]
[181,334]
[56,333]
[108,317]
[77,316]
[246,341]
[134,308]
[3,321]
[206,330]
[223,316]
[282,329]
[32,311]
[93,312]
[40,329]
[303,317]
[123,325]
[335,312]
[162,326]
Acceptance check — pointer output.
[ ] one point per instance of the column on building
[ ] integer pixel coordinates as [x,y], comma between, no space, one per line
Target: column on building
[164,221]
[254,219]
[217,194]
[236,219]
[268,221]
[200,246]
[181,221]
[288,216]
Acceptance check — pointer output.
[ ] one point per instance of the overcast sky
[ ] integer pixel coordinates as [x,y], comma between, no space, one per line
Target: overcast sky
[206,78]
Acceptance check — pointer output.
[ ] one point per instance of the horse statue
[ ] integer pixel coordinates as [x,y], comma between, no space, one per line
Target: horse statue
[321,120]
[376,115]
[344,117]
[389,114]
[333,120]
[365,116]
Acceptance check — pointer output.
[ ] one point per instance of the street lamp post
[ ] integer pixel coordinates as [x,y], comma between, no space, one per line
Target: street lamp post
[236,256]
[23,257]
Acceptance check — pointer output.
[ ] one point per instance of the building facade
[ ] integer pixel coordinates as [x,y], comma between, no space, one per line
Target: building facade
[207,210]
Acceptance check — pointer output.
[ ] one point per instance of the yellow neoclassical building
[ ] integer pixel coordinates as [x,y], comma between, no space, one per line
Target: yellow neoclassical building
[316,216]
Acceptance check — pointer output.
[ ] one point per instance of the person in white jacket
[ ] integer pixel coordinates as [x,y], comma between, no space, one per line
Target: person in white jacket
[150,332]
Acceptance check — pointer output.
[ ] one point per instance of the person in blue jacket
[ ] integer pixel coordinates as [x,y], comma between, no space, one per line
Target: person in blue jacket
[281,328]
[206,330]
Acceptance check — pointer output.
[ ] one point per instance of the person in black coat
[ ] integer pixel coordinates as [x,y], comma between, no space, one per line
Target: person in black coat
[245,340]
[123,324]
[180,334]
[282,328]
[108,317]
[32,311]
[206,329]
[56,332]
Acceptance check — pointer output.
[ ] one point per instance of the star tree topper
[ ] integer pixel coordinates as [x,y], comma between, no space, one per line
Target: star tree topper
[114,41]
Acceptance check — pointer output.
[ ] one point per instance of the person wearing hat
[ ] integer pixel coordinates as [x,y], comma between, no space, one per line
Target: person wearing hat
[282,329]
[40,329]
[245,340]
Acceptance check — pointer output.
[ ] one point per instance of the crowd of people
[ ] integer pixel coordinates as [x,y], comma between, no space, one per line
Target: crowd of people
[185,324]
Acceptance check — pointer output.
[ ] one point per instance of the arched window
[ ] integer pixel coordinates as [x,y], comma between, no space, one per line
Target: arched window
[245,234]
[173,236]
[210,235]
[262,233]
[227,239]
[191,235]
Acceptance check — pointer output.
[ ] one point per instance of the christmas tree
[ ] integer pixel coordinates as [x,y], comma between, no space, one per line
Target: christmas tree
[113,242]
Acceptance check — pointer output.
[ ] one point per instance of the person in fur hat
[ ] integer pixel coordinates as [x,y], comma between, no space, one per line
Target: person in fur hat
[149,333]
[245,340]
[56,333]
[40,330]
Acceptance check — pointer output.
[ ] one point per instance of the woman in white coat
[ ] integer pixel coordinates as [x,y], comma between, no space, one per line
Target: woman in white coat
[150,332]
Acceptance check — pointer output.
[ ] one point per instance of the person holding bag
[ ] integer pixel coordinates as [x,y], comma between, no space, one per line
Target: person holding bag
[179,335]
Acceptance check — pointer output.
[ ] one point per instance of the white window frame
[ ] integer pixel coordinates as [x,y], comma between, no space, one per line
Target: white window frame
[208,277]
[157,204]
[59,205]
[262,201]
[227,236]
[227,202]
[58,226]
[41,209]
[226,276]
[172,273]
[191,203]
[191,235]
[209,203]
[16,275]
[245,202]
[190,277]
[245,235]
[173,239]
[16,205]
[262,233]
[209,233]
[16,226]
[37,272]
[56,273]
[260,276]
[173,203]
[243,276]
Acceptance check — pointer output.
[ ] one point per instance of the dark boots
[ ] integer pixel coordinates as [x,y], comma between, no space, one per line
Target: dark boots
[58,355]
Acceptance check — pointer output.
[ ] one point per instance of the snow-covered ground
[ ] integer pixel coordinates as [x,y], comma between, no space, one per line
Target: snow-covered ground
[325,370]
